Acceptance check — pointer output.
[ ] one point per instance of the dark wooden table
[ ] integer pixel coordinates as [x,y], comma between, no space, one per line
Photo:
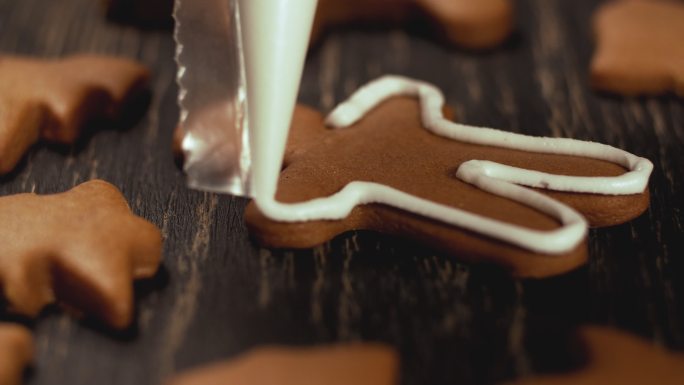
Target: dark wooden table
[219,294]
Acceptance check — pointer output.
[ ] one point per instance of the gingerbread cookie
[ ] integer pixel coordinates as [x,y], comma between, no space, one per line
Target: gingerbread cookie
[639,47]
[358,364]
[471,24]
[395,165]
[615,357]
[82,247]
[16,352]
[53,99]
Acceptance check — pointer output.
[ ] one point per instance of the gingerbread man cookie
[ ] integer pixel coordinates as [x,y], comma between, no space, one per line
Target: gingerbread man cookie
[53,99]
[358,364]
[16,352]
[639,47]
[82,247]
[616,357]
[472,24]
[395,165]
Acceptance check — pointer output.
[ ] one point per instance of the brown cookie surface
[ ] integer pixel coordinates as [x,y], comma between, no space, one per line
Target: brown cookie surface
[53,99]
[639,47]
[390,146]
[82,247]
[615,357]
[358,364]
[16,352]
[471,24]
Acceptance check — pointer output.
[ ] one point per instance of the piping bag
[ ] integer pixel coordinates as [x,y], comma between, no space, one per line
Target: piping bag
[240,63]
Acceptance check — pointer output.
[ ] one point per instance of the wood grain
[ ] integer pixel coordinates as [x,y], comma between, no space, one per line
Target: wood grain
[219,294]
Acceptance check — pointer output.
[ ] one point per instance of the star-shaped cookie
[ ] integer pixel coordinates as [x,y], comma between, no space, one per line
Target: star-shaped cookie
[53,99]
[639,47]
[16,352]
[82,247]
[394,165]
[615,357]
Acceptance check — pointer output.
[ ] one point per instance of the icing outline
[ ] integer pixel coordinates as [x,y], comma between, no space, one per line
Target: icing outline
[495,178]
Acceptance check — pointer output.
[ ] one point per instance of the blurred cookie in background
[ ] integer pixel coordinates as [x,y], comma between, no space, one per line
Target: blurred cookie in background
[639,47]
[617,357]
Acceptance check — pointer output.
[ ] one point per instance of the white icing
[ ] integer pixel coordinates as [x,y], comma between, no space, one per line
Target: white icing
[495,178]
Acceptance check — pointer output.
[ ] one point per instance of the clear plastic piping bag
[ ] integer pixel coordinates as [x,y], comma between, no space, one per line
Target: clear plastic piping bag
[212,96]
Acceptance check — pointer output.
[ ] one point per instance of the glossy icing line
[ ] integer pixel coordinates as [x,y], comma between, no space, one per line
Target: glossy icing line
[495,178]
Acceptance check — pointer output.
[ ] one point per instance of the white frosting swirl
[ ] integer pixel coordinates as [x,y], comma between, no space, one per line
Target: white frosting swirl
[495,178]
